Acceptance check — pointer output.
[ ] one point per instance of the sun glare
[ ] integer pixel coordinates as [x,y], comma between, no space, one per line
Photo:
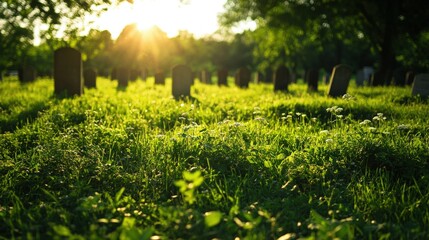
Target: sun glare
[171,16]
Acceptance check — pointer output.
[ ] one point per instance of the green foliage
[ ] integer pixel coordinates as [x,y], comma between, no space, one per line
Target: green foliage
[250,164]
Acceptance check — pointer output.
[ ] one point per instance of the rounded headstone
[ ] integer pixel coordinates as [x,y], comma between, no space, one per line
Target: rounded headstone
[68,71]
[182,80]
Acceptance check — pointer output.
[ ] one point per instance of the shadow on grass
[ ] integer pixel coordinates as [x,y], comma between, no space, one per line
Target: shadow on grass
[28,115]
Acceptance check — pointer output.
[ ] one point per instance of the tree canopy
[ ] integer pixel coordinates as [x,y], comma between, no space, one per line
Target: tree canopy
[19,18]
[327,32]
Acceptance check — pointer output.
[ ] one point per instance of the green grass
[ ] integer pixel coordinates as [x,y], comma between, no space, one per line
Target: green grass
[229,163]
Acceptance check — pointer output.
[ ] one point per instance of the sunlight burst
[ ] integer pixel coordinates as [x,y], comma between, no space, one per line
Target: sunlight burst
[198,16]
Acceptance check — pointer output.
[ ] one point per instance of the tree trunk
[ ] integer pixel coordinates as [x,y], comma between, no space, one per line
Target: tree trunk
[387,54]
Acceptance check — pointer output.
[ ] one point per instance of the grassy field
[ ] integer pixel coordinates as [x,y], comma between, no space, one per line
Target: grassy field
[230,163]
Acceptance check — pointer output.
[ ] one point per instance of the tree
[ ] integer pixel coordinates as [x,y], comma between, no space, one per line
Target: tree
[338,25]
[18,19]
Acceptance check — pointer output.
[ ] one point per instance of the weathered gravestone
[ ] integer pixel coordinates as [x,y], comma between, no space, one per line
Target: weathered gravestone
[222,76]
[312,79]
[159,78]
[206,77]
[113,74]
[339,81]
[90,77]
[242,77]
[123,75]
[281,78]
[182,79]
[421,85]
[409,77]
[68,72]
[367,72]
[360,78]
[27,74]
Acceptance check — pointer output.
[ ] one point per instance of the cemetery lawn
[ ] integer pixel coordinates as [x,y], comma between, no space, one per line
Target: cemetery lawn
[247,163]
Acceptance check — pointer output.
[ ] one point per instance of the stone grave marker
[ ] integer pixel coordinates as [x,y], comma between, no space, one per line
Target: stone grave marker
[206,77]
[281,78]
[421,85]
[27,74]
[113,74]
[68,71]
[182,79]
[123,75]
[360,78]
[339,81]
[90,77]
[312,79]
[159,78]
[409,77]
[367,72]
[222,76]
[242,77]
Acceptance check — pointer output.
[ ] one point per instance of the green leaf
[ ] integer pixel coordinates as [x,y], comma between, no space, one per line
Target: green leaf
[212,219]
[62,230]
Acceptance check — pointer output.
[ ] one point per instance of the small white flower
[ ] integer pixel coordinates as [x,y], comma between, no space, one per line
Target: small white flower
[365,122]
[329,140]
[324,132]
[372,129]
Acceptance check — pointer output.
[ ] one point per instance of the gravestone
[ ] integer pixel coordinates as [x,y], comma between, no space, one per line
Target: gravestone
[339,81]
[68,71]
[182,79]
[360,78]
[114,75]
[206,77]
[159,78]
[281,78]
[242,77]
[367,72]
[90,77]
[312,79]
[222,76]
[123,75]
[421,85]
[27,74]
[409,77]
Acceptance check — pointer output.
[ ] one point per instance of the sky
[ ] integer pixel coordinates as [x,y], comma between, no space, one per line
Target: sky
[200,17]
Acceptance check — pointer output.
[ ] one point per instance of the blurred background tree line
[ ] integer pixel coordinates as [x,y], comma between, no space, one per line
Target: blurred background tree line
[300,34]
